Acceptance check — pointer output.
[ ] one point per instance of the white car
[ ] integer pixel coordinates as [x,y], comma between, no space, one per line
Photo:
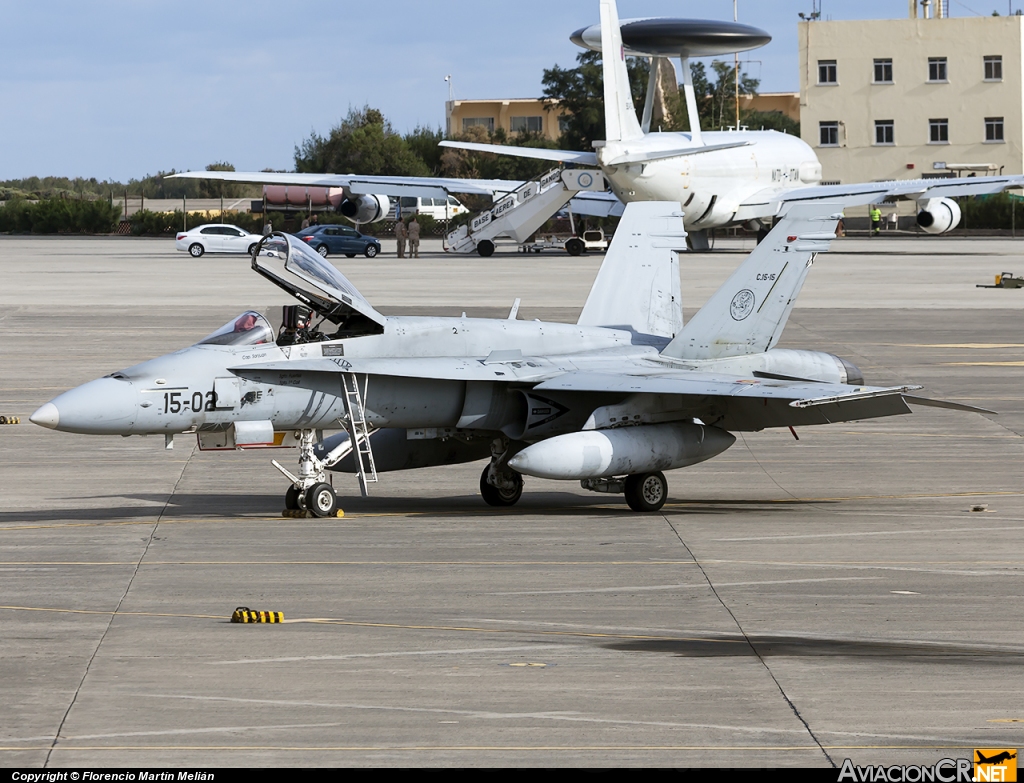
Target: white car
[215,238]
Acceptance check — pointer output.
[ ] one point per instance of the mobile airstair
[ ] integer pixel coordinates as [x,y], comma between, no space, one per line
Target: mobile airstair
[519,214]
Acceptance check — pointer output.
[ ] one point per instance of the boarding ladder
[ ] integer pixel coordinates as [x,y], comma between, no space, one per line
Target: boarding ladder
[358,432]
[519,214]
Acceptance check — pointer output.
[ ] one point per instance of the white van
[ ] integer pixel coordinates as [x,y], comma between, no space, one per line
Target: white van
[437,208]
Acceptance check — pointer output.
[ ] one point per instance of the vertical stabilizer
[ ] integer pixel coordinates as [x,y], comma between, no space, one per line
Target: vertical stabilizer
[637,287]
[748,313]
[620,119]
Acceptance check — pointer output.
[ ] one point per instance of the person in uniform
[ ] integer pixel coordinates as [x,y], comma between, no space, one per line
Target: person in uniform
[414,238]
[401,234]
[876,219]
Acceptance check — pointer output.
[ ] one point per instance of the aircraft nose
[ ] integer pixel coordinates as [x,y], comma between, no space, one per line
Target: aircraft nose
[47,416]
[103,406]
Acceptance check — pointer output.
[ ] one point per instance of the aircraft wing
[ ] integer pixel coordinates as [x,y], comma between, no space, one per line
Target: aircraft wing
[539,153]
[770,201]
[423,187]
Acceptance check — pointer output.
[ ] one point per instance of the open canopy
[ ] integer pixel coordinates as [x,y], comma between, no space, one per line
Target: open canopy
[290,263]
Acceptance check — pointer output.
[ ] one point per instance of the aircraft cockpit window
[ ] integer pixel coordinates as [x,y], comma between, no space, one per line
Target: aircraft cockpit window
[250,328]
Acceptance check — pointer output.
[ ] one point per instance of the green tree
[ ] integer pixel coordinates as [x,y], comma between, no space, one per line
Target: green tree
[580,92]
[362,143]
[423,142]
[487,165]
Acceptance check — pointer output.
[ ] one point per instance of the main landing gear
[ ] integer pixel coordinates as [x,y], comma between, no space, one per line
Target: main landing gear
[643,491]
[499,484]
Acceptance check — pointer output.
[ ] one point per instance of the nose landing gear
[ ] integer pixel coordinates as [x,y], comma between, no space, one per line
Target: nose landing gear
[309,490]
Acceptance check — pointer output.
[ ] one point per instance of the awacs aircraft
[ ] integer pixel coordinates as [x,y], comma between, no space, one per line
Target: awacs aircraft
[722,178]
[610,401]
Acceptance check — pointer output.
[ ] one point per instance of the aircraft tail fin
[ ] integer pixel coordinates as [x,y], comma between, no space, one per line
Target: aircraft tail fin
[748,313]
[637,287]
[620,119]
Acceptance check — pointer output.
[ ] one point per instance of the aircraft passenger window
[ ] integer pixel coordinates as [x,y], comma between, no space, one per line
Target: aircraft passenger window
[250,328]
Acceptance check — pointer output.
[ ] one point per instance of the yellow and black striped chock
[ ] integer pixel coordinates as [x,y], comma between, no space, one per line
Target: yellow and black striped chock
[244,614]
[10,420]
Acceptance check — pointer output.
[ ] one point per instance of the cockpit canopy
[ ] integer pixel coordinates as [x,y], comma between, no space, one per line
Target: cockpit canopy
[293,265]
[250,328]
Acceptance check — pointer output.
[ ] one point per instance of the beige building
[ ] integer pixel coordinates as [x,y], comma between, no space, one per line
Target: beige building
[514,115]
[916,97]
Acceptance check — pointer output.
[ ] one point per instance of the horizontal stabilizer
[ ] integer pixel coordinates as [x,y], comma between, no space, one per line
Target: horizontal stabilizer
[645,157]
[559,156]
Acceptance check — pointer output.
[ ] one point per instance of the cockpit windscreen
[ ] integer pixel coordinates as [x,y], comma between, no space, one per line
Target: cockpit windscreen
[250,328]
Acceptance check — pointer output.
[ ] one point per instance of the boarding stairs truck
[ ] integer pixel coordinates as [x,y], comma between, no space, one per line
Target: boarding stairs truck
[519,214]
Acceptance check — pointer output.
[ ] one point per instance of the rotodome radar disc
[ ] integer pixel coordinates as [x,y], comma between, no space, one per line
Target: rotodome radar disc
[666,37]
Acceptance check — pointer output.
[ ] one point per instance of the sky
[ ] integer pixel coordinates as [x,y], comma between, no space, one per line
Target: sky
[114,89]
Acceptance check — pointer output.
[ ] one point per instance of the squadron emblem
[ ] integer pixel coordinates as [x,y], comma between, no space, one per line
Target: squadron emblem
[742,304]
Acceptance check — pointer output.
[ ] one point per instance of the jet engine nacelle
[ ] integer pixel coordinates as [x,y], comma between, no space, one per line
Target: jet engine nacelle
[622,451]
[938,215]
[366,209]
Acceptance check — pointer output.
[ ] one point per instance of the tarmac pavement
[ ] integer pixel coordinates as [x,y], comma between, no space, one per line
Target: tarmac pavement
[794,604]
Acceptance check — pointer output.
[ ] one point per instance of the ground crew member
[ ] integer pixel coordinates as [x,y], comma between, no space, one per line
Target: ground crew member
[414,238]
[876,219]
[401,234]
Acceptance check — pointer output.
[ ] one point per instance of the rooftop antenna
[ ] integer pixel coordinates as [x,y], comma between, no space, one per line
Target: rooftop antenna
[736,68]
[450,106]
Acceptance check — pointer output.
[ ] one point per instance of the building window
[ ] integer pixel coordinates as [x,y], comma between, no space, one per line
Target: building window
[828,134]
[527,124]
[937,69]
[884,132]
[938,131]
[472,122]
[993,68]
[563,124]
[883,71]
[994,129]
[827,73]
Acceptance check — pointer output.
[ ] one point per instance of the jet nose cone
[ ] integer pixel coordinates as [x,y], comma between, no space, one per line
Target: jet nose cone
[47,416]
[101,407]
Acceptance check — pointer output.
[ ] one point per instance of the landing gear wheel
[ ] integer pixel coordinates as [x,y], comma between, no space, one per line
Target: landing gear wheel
[321,500]
[195,250]
[485,248]
[646,491]
[291,498]
[493,496]
[574,247]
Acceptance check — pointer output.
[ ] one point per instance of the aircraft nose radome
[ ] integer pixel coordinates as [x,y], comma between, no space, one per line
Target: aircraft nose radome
[103,406]
[47,416]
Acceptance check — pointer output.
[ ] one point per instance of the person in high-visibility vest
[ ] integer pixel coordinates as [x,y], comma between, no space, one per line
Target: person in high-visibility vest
[876,219]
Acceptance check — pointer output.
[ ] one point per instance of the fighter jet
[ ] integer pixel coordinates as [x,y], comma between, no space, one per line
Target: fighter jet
[611,401]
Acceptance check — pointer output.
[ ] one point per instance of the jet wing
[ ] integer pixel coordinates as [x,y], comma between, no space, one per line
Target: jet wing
[424,187]
[745,404]
[324,374]
[770,201]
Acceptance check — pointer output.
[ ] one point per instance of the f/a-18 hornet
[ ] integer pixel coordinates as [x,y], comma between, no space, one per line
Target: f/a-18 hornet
[611,401]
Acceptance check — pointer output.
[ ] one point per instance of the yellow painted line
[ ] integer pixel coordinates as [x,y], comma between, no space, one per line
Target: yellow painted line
[898,435]
[119,614]
[496,748]
[1006,720]
[972,346]
[356,562]
[982,364]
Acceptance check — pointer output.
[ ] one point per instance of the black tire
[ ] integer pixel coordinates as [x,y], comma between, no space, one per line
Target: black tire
[574,247]
[371,251]
[500,497]
[291,498]
[646,491]
[350,255]
[323,251]
[321,500]
[252,248]
[196,250]
[485,248]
